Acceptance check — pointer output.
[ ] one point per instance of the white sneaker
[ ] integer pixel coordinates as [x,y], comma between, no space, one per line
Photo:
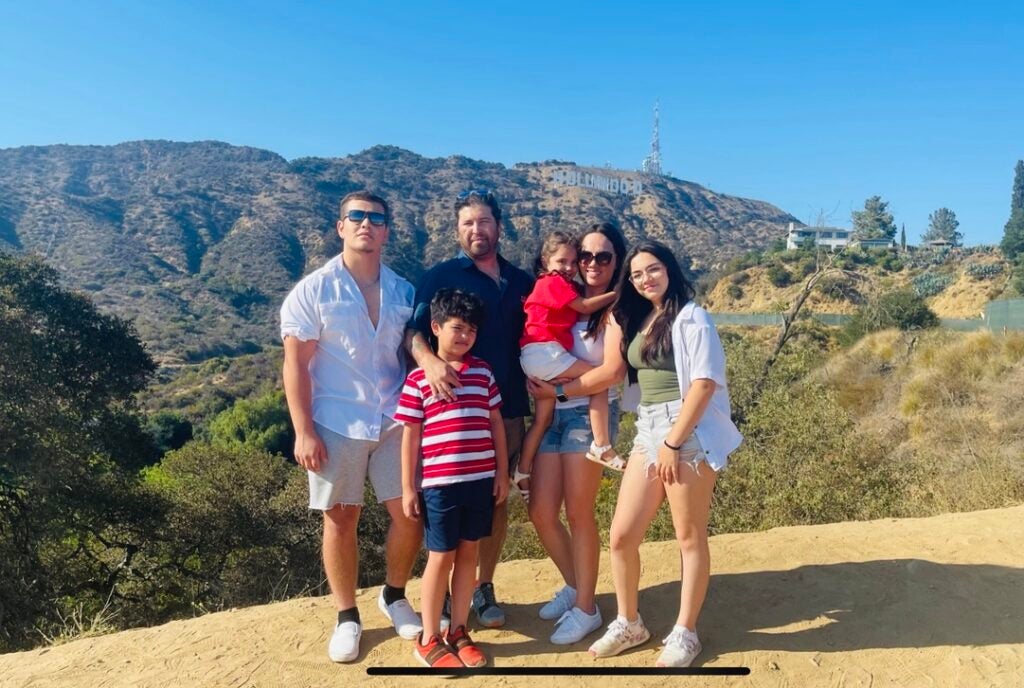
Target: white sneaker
[575,625]
[401,615]
[681,647]
[562,602]
[621,635]
[344,645]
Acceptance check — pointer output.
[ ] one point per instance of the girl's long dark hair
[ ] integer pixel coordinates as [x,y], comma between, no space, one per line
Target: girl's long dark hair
[614,236]
[632,308]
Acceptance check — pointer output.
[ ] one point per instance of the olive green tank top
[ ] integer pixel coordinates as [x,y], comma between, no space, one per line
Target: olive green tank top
[658,380]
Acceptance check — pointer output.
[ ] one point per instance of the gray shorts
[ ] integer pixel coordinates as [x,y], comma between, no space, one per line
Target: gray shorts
[653,423]
[341,479]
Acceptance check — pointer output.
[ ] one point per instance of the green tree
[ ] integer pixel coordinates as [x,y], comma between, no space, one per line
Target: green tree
[875,221]
[70,441]
[1012,244]
[169,430]
[903,237]
[237,531]
[942,226]
[1017,195]
[261,423]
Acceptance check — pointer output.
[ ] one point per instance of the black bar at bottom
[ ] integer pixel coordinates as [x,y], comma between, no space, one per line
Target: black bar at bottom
[560,671]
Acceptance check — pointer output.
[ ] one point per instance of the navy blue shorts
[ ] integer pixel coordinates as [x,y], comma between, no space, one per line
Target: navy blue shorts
[461,511]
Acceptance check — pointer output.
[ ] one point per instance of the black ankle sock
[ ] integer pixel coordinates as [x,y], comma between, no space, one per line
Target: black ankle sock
[392,595]
[350,614]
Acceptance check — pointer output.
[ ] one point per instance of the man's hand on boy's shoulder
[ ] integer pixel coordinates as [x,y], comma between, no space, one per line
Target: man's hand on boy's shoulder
[500,487]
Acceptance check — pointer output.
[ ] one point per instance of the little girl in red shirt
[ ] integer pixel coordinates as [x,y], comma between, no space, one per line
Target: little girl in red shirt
[552,309]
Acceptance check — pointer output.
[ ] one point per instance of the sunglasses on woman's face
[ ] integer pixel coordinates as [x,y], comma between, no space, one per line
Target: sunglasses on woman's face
[358,216]
[602,257]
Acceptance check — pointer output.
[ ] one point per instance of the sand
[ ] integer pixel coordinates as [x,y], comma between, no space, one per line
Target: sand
[917,602]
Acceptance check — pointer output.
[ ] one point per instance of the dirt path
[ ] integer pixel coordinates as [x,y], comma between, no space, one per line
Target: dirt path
[916,602]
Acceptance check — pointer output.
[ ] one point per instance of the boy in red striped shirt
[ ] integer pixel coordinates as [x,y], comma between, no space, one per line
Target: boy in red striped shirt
[463,448]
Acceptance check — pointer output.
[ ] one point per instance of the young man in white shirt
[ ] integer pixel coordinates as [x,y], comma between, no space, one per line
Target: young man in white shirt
[342,327]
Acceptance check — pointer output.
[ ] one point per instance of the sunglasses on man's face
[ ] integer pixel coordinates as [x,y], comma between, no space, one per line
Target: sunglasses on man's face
[357,216]
[602,258]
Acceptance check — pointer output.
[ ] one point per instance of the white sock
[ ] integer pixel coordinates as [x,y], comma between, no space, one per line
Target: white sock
[626,621]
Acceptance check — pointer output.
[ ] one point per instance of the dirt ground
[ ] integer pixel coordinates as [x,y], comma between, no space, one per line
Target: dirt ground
[917,602]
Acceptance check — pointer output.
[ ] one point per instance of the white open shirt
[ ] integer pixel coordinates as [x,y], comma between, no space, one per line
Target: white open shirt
[698,353]
[357,371]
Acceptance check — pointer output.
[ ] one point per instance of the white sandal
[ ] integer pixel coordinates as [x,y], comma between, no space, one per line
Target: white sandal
[614,462]
[516,478]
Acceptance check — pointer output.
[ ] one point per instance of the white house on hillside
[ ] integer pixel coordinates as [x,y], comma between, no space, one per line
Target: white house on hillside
[831,237]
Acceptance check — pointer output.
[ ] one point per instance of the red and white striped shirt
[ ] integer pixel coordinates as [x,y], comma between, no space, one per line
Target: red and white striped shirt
[456,442]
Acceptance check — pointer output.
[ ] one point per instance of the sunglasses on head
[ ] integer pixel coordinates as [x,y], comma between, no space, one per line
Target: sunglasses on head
[482,193]
[358,216]
[601,257]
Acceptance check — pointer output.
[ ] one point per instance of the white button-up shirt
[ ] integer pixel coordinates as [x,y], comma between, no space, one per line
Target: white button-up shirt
[357,370]
[698,354]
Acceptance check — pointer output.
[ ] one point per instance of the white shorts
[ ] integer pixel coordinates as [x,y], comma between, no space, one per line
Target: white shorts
[545,360]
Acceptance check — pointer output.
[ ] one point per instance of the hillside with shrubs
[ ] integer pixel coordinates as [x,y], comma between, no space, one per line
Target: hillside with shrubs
[955,283]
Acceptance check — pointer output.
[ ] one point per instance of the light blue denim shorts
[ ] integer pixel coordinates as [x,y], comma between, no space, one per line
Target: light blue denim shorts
[569,432]
[653,423]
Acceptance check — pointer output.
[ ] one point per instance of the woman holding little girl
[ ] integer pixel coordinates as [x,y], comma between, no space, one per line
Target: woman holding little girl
[671,350]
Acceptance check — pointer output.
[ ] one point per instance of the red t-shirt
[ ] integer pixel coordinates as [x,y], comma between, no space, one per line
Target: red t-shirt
[548,316]
[456,442]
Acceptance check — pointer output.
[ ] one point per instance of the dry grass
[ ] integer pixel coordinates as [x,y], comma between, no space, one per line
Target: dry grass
[76,623]
[949,405]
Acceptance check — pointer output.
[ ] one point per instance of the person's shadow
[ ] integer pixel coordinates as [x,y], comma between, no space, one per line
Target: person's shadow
[897,603]
[892,603]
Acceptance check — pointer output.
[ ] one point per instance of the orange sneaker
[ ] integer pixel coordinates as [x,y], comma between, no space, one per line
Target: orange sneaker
[459,641]
[435,654]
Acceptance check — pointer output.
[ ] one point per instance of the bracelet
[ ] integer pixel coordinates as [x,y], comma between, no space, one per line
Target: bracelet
[672,447]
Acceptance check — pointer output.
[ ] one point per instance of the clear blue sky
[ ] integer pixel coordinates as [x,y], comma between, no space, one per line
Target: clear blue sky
[810,106]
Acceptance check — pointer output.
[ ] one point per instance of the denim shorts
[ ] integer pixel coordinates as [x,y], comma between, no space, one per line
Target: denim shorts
[653,423]
[460,511]
[569,432]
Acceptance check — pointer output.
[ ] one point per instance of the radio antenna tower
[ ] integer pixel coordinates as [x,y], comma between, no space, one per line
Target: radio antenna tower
[652,163]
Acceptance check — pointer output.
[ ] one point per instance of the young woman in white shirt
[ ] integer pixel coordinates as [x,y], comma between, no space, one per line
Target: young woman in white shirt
[684,437]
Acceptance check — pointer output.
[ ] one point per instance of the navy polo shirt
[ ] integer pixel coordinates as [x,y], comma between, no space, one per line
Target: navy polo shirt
[497,342]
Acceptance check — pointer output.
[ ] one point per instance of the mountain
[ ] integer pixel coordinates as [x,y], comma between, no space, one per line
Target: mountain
[199,242]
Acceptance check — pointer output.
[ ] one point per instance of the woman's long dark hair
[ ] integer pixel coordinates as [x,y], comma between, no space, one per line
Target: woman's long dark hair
[632,308]
[614,236]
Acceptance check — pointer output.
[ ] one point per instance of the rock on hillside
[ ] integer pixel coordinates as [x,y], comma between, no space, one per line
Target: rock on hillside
[199,242]
[930,601]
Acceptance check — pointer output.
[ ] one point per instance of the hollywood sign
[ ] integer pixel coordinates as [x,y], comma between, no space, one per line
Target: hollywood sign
[597,181]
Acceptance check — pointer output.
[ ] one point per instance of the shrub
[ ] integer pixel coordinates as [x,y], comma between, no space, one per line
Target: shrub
[734,291]
[740,277]
[801,460]
[930,283]
[891,262]
[236,532]
[902,309]
[778,275]
[982,271]
[838,287]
